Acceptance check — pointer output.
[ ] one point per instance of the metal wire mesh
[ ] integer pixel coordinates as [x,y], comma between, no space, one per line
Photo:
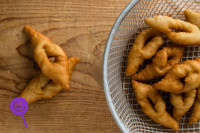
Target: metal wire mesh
[119,86]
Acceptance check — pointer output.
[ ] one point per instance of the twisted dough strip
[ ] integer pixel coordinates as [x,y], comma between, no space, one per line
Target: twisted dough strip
[195,115]
[162,62]
[157,111]
[192,17]
[189,34]
[181,103]
[44,48]
[181,78]
[141,51]
[42,87]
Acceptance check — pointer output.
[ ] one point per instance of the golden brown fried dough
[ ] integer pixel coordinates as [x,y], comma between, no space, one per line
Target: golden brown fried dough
[195,115]
[49,90]
[188,35]
[157,112]
[192,17]
[44,48]
[140,51]
[42,87]
[181,78]
[181,103]
[162,62]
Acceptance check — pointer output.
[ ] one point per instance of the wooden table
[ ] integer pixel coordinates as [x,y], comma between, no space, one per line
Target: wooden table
[81,28]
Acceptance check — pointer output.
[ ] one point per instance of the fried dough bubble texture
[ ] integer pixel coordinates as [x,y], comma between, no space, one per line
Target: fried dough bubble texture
[43,87]
[195,113]
[185,34]
[144,47]
[162,62]
[157,112]
[44,48]
[192,17]
[182,103]
[181,78]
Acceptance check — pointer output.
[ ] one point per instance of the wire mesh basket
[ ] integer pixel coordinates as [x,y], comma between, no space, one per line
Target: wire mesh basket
[118,90]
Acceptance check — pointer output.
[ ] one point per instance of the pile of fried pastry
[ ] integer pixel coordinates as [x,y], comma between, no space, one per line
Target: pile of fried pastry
[180,79]
[55,74]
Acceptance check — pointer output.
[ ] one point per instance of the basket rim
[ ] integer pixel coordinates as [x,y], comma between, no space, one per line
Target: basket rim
[105,65]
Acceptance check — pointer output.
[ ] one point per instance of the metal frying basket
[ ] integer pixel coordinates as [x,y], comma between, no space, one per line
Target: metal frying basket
[119,93]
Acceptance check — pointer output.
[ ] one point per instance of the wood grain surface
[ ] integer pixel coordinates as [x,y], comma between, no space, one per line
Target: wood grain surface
[81,28]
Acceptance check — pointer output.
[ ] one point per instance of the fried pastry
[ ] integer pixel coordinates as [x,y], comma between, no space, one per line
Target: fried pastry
[44,48]
[185,34]
[182,103]
[162,62]
[144,47]
[157,112]
[192,17]
[181,78]
[43,87]
[195,115]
